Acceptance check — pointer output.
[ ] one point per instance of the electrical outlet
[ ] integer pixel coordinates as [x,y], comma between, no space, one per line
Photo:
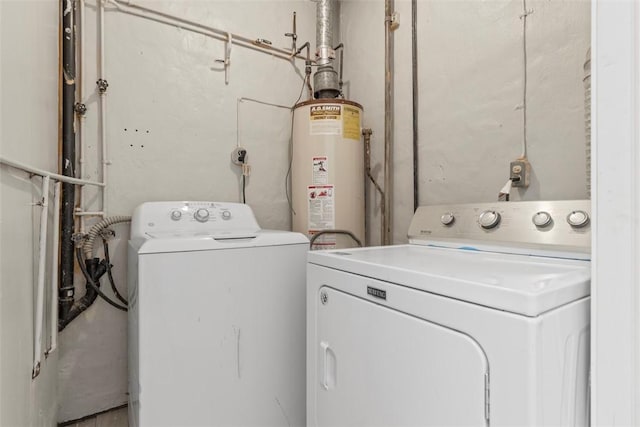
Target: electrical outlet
[239,156]
[519,172]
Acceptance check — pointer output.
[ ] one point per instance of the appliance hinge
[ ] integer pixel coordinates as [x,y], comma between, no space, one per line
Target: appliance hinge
[486,397]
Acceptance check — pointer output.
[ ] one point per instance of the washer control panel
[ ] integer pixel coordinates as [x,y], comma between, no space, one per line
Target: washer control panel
[188,218]
[562,225]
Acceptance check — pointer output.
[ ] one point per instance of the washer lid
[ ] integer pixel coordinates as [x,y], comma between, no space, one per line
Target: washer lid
[187,242]
[527,285]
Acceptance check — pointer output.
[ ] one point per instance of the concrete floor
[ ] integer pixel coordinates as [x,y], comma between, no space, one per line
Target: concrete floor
[114,418]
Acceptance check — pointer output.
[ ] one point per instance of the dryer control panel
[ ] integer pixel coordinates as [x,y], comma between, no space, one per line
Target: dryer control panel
[560,225]
[160,219]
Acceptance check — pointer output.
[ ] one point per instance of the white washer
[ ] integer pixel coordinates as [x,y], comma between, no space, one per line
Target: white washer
[483,319]
[216,318]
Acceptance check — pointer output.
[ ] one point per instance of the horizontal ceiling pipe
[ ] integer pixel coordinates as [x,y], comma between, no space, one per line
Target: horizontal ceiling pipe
[41,172]
[125,6]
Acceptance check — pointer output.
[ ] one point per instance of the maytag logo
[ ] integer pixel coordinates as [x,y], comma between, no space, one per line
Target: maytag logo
[378,293]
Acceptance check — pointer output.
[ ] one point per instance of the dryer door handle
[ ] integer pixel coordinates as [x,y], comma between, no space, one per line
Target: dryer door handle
[329,366]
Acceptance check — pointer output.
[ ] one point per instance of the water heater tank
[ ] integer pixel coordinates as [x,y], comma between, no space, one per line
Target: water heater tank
[327,170]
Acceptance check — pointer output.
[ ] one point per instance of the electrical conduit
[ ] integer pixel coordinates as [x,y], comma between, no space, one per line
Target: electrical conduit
[42,265]
[388,117]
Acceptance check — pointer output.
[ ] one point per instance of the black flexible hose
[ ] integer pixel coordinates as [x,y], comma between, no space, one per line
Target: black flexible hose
[97,270]
[244,189]
[109,275]
[345,232]
[93,285]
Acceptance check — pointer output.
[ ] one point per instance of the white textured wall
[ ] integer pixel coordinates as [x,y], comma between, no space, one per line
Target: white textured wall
[28,133]
[171,129]
[470,91]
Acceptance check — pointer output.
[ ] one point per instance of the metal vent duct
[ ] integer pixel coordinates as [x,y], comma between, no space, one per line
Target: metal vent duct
[325,80]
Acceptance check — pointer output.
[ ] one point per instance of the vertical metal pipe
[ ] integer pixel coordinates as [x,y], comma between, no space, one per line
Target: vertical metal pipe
[367,167]
[366,133]
[68,158]
[414,76]
[102,90]
[54,268]
[81,116]
[42,265]
[325,80]
[388,117]
[324,31]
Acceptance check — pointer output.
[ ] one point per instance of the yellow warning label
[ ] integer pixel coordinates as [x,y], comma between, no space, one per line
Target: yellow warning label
[351,123]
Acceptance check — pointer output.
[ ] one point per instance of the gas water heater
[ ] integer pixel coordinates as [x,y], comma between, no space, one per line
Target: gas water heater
[327,171]
[327,163]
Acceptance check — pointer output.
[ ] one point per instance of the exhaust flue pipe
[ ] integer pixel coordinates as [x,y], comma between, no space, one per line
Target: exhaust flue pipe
[325,80]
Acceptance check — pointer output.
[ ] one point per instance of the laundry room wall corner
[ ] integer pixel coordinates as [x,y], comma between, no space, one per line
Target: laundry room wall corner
[29,71]
[171,126]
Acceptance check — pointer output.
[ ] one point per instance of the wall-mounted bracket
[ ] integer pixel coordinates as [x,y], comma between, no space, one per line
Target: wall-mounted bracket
[394,21]
[227,58]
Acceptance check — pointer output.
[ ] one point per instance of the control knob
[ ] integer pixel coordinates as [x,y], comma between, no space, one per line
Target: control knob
[447,218]
[542,219]
[489,219]
[176,215]
[578,219]
[201,215]
[226,215]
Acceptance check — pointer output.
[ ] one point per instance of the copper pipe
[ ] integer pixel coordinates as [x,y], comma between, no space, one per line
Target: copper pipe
[366,133]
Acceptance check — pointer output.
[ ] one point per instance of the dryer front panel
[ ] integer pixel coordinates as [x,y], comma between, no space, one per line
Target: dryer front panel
[376,366]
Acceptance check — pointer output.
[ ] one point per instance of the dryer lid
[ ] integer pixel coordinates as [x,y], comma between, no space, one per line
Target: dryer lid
[522,284]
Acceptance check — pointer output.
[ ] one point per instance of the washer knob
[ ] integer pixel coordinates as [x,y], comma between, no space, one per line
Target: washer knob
[201,215]
[542,219]
[578,219]
[226,215]
[176,215]
[489,219]
[447,218]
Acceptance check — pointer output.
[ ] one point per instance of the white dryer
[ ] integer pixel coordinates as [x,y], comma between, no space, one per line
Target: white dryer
[483,319]
[216,318]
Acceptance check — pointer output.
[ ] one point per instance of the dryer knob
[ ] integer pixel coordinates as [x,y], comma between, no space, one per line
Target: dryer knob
[201,215]
[176,215]
[226,214]
[447,218]
[541,219]
[578,219]
[489,219]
